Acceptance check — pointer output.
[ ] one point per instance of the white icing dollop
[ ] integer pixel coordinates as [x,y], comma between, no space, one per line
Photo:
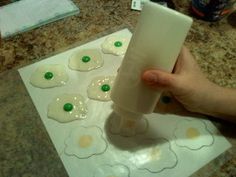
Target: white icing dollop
[67,107]
[115,45]
[47,76]
[86,60]
[100,88]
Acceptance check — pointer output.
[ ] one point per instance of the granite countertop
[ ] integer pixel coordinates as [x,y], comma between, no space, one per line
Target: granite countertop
[26,149]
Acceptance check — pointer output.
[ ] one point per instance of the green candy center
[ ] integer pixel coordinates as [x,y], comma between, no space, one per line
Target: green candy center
[48,75]
[118,44]
[105,87]
[86,59]
[68,107]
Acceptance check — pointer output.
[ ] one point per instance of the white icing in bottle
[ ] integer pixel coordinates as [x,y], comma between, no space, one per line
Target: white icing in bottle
[156,43]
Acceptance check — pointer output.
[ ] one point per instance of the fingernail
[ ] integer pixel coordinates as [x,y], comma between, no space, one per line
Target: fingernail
[150,77]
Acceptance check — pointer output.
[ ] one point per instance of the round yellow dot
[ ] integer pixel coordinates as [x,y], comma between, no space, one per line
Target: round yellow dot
[192,133]
[85,141]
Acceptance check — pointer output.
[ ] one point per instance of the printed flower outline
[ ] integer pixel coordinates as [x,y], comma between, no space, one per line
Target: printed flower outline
[47,76]
[158,149]
[85,142]
[117,170]
[67,107]
[193,134]
[86,60]
[100,88]
[115,45]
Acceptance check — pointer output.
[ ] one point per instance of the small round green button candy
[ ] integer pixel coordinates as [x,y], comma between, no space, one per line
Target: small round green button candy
[105,87]
[68,107]
[118,43]
[48,75]
[86,59]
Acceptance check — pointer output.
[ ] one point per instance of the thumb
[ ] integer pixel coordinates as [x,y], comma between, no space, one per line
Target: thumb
[160,79]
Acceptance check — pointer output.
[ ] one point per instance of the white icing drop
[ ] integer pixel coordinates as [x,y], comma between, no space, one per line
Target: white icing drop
[76,63]
[56,108]
[94,89]
[59,78]
[108,46]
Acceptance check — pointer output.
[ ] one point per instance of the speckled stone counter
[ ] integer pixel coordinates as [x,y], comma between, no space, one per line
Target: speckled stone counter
[25,147]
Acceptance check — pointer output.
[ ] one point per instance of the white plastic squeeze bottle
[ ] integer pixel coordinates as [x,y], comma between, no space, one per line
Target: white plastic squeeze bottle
[156,43]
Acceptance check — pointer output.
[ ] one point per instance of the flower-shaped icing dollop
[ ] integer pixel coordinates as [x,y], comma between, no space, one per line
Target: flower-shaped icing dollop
[67,107]
[47,76]
[193,134]
[100,88]
[115,45]
[84,142]
[118,170]
[86,60]
[156,156]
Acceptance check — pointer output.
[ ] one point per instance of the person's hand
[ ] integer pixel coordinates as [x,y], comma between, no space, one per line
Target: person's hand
[187,83]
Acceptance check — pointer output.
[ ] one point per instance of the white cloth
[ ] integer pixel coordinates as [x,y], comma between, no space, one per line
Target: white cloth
[28,14]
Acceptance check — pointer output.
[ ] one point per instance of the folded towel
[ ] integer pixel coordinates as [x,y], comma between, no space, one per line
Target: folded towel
[25,15]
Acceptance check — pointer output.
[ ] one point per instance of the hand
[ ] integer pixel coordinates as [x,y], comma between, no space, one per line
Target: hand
[187,83]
